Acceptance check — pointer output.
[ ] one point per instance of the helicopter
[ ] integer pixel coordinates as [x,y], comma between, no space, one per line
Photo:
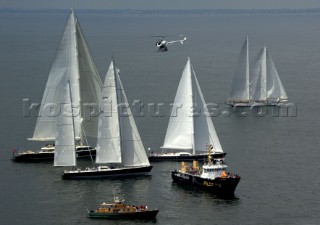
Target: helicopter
[162,44]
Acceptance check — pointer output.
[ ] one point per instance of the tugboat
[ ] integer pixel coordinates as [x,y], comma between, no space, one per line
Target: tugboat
[119,210]
[212,176]
[46,153]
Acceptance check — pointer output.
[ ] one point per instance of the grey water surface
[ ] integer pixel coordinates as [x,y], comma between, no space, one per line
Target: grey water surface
[277,156]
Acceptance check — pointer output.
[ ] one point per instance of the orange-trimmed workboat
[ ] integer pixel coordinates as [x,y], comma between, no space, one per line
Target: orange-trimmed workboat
[119,210]
[212,176]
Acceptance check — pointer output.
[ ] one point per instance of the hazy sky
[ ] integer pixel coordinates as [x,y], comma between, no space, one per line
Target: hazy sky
[159,4]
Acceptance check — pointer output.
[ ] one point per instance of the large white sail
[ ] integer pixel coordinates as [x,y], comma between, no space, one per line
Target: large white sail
[275,89]
[259,77]
[190,125]
[64,154]
[204,132]
[90,86]
[73,62]
[132,150]
[180,129]
[240,85]
[108,144]
[264,85]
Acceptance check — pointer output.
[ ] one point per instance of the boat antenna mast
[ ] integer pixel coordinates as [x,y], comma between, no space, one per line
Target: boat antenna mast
[87,143]
[116,198]
[70,93]
[209,147]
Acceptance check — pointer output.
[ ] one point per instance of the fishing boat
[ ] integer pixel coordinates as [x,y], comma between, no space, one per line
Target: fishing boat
[119,210]
[120,151]
[211,176]
[190,126]
[262,86]
[74,64]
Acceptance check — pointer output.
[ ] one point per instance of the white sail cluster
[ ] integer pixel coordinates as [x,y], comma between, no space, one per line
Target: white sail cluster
[74,80]
[262,85]
[190,127]
[74,65]
[118,137]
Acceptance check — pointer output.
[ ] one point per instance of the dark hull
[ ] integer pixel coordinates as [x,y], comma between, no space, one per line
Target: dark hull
[147,215]
[103,174]
[199,157]
[40,157]
[256,104]
[219,186]
[239,104]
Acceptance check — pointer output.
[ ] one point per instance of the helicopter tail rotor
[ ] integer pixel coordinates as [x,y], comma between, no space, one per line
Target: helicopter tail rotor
[182,41]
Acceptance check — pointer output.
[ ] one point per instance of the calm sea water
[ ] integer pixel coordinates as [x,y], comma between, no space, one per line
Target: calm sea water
[276,156]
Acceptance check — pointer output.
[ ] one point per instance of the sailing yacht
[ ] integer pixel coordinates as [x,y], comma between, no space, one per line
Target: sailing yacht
[240,89]
[267,88]
[190,127]
[120,151]
[261,86]
[73,63]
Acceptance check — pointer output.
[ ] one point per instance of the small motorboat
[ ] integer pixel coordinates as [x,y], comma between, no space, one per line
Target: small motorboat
[119,210]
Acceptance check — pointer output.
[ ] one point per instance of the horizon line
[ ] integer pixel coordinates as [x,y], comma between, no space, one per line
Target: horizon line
[170,11]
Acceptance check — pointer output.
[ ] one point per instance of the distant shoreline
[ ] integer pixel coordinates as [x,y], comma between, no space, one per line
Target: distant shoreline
[189,11]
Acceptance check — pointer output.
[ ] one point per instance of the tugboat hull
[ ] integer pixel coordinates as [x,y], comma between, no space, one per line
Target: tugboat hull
[220,186]
[105,173]
[198,157]
[145,215]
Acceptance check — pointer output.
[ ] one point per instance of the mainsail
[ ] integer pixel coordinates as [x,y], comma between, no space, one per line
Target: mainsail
[180,129]
[259,79]
[204,131]
[275,89]
[118,140]
[266,84]
[262,85]
[64,154]
[240,85]
[74,63]
[108,145]
[190,126]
